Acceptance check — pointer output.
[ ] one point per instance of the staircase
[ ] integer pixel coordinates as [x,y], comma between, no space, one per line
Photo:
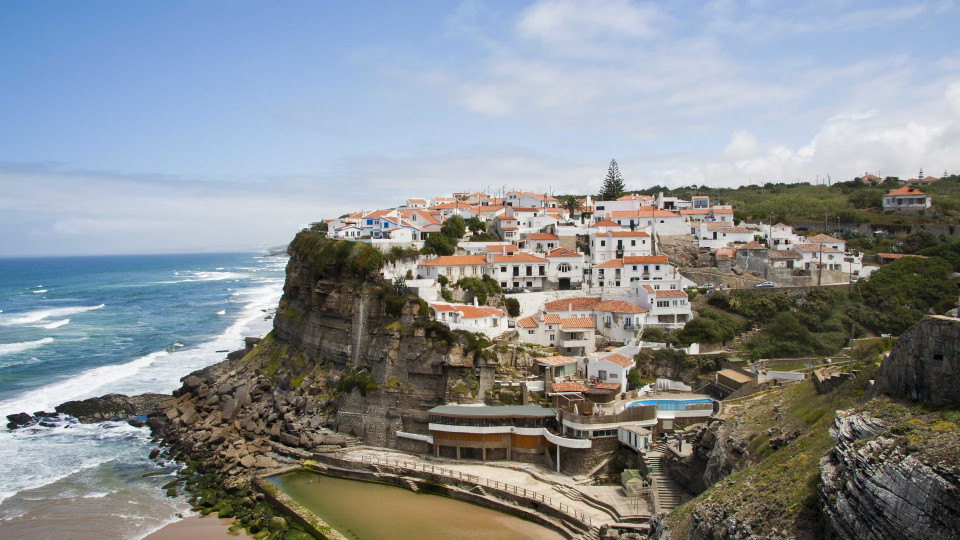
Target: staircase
[669,494]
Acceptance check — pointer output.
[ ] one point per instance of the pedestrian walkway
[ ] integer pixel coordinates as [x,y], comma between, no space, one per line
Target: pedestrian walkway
[669,495]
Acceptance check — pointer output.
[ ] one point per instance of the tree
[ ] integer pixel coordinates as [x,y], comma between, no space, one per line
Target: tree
[454,227]
[571,204]
[319,226]
[513,307]
[439,244]
[612,184]
[476,225]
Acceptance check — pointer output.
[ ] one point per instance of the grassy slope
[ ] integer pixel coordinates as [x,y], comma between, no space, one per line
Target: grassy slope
[779,489]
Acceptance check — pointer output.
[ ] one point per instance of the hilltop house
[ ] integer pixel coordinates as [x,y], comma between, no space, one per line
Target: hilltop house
[487,320]
[570,335]
[612,368]
[906,199]
[616,244]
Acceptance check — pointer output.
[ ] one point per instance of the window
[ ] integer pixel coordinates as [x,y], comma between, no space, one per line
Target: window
[563,267]
[613,375]
[503,283]
[657,268]
[553,337]
[503,269]
[543,270]
[634,268]
[663,303]
[603,243]
[530,332]
[633,242]
[602,374]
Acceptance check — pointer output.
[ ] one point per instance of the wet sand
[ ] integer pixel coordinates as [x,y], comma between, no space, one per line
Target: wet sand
[197,528]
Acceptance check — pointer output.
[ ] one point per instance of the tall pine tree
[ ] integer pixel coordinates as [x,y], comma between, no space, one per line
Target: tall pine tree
[612,185]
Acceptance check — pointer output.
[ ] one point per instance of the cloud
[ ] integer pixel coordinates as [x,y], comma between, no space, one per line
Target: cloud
[571,25]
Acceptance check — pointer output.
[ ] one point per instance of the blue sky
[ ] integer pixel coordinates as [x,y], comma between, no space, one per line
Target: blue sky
[182,126]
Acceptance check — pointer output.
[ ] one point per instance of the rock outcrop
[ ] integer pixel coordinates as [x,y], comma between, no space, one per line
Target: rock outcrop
[925,362]
[111,407]
[872,488]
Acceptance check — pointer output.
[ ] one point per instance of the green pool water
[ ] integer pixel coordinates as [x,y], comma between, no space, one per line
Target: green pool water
[369,511]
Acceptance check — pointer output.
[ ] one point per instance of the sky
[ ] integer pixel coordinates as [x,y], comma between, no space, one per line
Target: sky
[143,127]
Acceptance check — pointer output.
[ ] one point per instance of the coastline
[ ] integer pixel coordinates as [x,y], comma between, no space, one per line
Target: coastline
[197,527]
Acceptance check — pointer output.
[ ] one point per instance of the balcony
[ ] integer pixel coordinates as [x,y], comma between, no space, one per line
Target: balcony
[575,343]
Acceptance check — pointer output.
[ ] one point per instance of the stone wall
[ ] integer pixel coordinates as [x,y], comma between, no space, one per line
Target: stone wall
[574,461]
[925,362]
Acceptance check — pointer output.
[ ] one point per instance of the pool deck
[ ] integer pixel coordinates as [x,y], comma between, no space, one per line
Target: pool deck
[535,478]
[619,405]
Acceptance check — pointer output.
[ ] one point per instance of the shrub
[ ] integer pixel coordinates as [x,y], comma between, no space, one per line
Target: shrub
[513,307]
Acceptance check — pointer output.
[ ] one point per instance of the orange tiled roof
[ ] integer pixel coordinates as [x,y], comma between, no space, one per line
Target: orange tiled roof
[556,360]
[618,306]
[457,260]
[612,263]
[542,236]
[576,323]
[605,223]
[622,234]
[563,252]
[569,387]
[905,190]
[895,256]
[694,211]
[606,386]
[472,312]
[527,322]
[643,211]
[815,248]
[442,307]
[823,239]
[662,293]
[581,303]
[517,258]
[646,259]
[782,254]
[550,318]
[618,359]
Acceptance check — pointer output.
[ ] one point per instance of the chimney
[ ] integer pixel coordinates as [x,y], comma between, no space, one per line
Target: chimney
[475,304]
[570,309]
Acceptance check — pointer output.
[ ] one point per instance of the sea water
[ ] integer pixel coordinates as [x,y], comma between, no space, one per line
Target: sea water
[73,328]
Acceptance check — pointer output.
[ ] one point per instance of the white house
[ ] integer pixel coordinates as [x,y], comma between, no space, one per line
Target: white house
[781,236]
[715,235]
[619,320]
[507,226]
[612,368]
[540,242]
[348,231]
[416,203]
[667,308]
[529,199]
[569,335]
[487,320]
[616,244]
[454,267]
[906,199]
[628,271]
[540,329]
[663,222]
[519,270]
[565,269]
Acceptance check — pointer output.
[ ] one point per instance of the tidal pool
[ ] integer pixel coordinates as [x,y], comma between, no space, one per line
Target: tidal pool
[369,511]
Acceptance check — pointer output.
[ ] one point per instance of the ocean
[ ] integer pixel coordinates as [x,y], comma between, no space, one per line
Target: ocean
[78,327]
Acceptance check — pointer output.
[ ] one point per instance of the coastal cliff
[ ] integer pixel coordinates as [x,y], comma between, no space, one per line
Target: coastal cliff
[349,359]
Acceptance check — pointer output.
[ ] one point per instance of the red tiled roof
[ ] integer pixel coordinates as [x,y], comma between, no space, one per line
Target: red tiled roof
[527,322]
[550,318]
[518,258]
[662,293]
[694,211]
[612,263]
[646,259]
[556,360]
[905,190]
[635,197]
[569,387]
[638,234]
[605,223]
[618,306]
[643,211]
[606,386]
[823,239]
[471,312]
[457,260]
[542,236]
[752,245]
[502,249]
[815,248]
[582,303]
[576,323]
[895,256]
[618,359]
[563,252]
[442,307]
[782,254]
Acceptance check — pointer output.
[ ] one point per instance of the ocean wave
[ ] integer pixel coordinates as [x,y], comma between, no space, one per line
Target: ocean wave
[12,348]
[222,312]
[30,361]
[30,317]
[39,291]
[54,324]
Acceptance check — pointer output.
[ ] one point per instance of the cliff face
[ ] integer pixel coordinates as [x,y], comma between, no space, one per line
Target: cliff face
[925,362]
[336,364]
[873,488]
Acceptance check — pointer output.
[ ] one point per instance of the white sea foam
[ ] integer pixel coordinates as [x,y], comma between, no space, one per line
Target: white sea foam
[30,317]
[222,312]
[12,348]
[54,324]
[39,291]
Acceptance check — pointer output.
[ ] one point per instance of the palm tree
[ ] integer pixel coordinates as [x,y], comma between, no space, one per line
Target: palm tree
[571,204]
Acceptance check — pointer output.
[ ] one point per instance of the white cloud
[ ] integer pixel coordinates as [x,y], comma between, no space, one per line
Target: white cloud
[565,24]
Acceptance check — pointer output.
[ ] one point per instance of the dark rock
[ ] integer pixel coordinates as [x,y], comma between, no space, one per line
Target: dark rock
[111,406]
[19,420]
[154,453]
[191,382]
[925,362]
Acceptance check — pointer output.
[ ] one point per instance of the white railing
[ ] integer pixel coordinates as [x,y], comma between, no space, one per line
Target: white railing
[486,482]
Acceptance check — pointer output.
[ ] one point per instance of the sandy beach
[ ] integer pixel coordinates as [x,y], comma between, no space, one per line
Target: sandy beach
[196,527]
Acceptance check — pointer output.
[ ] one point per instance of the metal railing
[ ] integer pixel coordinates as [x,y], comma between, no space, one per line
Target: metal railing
[485,482]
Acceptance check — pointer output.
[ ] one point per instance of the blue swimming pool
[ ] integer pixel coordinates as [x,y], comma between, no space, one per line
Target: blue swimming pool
[669,404]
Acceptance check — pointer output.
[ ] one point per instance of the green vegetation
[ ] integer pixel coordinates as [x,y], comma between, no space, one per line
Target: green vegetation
[480,287]
[334,257]
[778,490]
[513,307]
[710,327]
[356,377]
[445,243]
[319,226]
[612,185]
[398,253]
[654,334]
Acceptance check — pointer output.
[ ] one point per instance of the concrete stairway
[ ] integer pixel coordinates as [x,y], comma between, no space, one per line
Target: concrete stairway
[668,492]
